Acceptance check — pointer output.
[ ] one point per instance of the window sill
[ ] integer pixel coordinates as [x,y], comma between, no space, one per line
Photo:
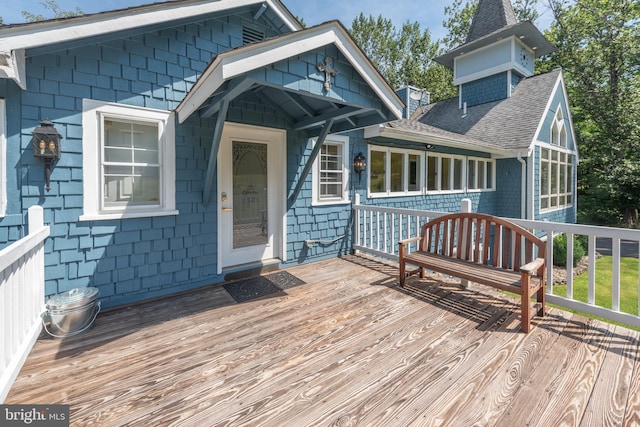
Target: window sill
[330,202]
[126,215]
[385,195]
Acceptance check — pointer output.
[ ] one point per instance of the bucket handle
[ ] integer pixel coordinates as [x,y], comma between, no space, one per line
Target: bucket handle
[95,314]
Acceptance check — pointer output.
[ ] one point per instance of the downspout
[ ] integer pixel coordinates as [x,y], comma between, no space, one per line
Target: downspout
[523,186]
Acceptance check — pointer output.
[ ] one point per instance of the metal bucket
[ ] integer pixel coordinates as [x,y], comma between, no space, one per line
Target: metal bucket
[71,312]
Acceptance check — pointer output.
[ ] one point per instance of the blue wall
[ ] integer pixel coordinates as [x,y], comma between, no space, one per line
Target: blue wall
[135,259]
[130,259]
[485,90]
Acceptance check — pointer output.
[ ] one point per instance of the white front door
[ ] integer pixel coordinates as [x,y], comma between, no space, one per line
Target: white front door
[251,194]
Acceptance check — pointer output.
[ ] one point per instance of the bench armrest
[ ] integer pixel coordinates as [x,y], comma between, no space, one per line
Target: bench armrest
[533,266]
[405,242]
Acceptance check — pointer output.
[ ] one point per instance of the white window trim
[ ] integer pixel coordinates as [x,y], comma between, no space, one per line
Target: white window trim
[91,150]
[569,187]
[463,178]
[3,159]
[493,177]
[316,201]
[387,172]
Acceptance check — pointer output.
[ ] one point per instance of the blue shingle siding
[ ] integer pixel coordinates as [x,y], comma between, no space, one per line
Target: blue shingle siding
[485,90]
[133,259]
[508,188]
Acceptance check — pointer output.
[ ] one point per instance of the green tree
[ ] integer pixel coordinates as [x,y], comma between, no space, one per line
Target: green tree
[403,55]
[597,46]
[53,6]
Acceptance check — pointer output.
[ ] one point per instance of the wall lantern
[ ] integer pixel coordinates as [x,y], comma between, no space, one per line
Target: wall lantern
[46,146]
[359,165]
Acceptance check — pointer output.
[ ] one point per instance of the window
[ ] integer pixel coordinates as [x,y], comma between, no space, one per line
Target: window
[134,151]
[3,159]
[558,130]
[480,174]
[394,172]
[445,173]
[556,179]
[331,171]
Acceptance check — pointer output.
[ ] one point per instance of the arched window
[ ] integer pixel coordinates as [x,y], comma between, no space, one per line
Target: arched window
[558,129]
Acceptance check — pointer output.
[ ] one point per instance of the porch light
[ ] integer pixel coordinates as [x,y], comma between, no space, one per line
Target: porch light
[46,146]
[359,165]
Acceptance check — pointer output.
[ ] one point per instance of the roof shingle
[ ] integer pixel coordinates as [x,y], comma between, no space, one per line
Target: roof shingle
[510,123]
[490,16]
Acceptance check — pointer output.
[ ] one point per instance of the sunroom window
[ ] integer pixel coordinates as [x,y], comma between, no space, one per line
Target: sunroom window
[556,179]
[128,161]
[395,172]
[445,173]
[480,174]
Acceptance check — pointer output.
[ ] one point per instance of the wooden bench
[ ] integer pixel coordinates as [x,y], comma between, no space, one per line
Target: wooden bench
[482,249]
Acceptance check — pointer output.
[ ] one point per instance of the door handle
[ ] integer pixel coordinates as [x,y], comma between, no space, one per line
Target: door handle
[227,209]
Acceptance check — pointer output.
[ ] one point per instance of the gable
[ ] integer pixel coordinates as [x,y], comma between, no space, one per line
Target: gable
[558,101]
[355,97]
[39,37]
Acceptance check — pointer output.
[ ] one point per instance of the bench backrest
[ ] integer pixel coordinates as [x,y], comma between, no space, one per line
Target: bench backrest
[483,239]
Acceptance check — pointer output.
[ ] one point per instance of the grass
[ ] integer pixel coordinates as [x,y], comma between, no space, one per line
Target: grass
[603,282]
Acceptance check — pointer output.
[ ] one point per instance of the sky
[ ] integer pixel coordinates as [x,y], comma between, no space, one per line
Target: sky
[429,14]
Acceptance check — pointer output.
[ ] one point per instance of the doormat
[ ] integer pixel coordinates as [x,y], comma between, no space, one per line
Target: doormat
[260,286]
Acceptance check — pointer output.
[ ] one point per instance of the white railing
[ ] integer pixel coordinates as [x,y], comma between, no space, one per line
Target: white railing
[21,298]
[377,231]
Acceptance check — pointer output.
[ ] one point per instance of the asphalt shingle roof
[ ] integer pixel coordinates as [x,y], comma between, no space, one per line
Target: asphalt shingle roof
[490,16]
[509,123]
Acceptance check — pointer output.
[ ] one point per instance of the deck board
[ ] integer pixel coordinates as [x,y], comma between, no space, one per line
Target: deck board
[349,347]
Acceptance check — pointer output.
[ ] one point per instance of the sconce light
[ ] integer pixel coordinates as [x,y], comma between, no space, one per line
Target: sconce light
[46,146]
[359,165]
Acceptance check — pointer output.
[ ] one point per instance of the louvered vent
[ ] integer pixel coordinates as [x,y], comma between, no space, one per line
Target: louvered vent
[250,35]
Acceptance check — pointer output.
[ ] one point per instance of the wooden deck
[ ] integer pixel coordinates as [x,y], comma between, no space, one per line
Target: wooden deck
[347,348]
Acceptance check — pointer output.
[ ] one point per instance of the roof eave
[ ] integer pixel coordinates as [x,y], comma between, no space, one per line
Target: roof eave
[384,131]
[18,38]
[525,31]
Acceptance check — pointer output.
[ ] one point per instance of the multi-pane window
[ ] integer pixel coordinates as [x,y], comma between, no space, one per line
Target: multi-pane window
[3,158]
[445,173]
[556,178]
[330,171]
[480,174]
[128,161]
[558,130]
[394,171]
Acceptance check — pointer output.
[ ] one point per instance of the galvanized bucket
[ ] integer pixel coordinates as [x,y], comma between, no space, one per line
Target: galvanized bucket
[71,312]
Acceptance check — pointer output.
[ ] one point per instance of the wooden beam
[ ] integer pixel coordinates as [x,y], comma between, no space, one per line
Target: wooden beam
[333,115]
[261,10]
[307,167]
[234,89]
[297,100]
[213,155]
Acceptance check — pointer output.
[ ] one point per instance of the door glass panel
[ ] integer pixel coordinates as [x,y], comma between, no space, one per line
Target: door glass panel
[250,219]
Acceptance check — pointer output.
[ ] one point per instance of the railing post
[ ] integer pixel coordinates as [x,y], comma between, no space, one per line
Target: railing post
[465,206]
[35,218]
[356,223]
